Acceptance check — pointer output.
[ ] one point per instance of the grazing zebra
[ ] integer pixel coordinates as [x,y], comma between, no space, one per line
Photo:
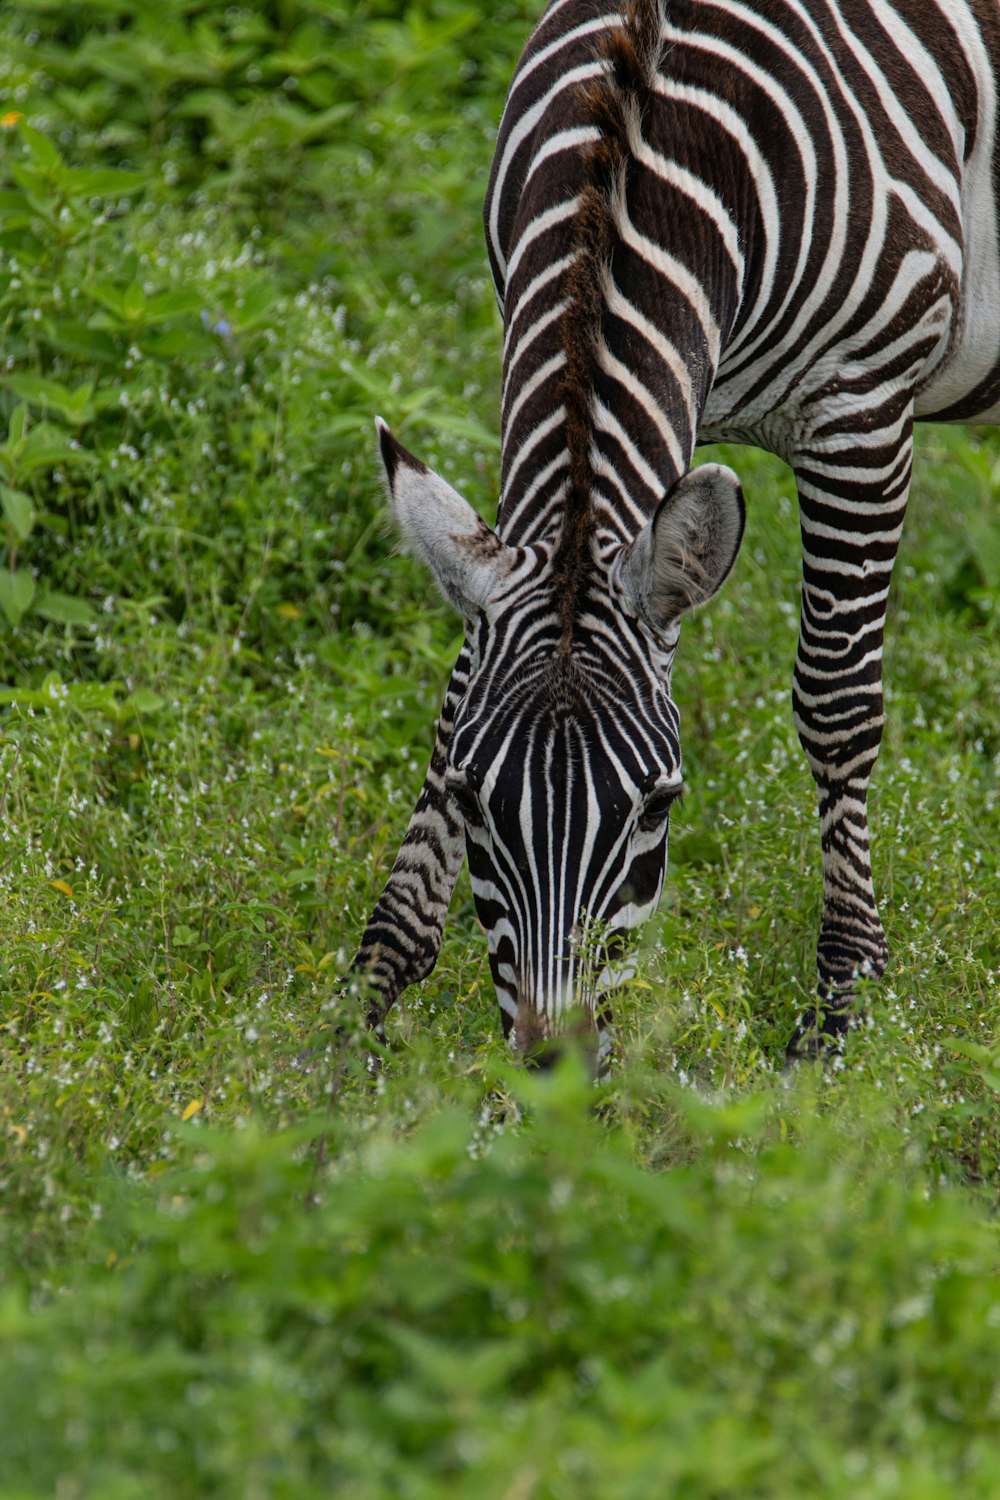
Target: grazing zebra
[761,221]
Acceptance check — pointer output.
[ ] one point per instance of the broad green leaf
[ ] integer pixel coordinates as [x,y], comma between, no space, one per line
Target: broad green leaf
[17,589]
[357,421]
[81,342]
[106,321]
[43,151]
[15,213]
[134,302]
[974,1050]
[107,295]
[447,1369]
[465,427]
[377,386]
[46,456]
[12,226]
[19,510]
[25,697]
[170,343]
[101,182]
[42,391]
[15,430]
[143,701]
[255,306]
[45,447]
[170,305]
[54,522]
[319,90]
[696,848]
[37,388]
[315,127]
[64,609]
[37,187]
[84,697]
[87,696]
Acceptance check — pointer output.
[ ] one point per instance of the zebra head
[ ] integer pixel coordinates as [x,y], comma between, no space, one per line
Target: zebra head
[564,758]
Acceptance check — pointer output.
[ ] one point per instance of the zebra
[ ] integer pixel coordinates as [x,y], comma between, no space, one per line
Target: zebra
[771,222]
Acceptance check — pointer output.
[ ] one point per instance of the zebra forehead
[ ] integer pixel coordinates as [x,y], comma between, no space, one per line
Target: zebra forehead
[583,692]
[557,744]
[589,680]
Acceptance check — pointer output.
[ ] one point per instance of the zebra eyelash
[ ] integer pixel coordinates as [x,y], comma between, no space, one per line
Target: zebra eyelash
[465,799]
[658,805]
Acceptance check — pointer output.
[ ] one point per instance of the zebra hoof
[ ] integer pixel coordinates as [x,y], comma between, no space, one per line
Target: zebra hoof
[821,1035]
[376,1046]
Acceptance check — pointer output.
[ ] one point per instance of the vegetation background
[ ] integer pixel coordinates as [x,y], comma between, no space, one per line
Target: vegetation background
[229,1264]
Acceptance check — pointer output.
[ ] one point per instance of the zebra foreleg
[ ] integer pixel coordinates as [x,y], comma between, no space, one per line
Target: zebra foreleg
[852,499]
[402,938]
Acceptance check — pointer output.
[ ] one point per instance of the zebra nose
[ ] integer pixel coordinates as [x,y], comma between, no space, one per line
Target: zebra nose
[543,1009]
[532,1029]
[541,1040]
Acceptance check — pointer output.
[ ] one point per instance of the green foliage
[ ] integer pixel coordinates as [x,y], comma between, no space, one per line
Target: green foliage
[519,1305]
[232,1263]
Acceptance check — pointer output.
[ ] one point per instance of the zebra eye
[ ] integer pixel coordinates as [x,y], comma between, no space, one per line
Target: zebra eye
[657,808]
[465,800]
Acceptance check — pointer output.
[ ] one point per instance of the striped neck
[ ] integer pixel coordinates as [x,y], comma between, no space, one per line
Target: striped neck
[611,344]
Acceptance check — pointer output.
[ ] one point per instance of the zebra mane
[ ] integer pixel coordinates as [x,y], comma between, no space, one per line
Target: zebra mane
[615,104]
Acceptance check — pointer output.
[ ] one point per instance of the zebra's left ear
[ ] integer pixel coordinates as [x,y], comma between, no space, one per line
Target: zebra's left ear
[684,554]
[468,560]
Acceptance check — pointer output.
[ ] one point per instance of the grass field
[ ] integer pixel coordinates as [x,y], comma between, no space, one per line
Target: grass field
[230,1264]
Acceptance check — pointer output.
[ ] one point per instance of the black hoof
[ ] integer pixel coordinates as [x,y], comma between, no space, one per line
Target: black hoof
[820,1034]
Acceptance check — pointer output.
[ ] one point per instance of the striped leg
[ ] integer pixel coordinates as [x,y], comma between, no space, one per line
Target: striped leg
[402,939]
[852,499]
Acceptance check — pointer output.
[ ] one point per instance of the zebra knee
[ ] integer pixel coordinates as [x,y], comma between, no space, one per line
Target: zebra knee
[849,951]
[839,746]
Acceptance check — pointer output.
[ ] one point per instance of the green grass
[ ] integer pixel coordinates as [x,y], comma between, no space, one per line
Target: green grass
[230,1264]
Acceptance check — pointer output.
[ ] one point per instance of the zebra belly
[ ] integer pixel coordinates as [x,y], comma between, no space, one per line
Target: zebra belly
[970,399]
[965,385]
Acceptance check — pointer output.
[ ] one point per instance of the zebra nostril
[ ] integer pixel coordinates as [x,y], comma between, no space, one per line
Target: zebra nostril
[578,1032]
[543,1053]
[531,1027]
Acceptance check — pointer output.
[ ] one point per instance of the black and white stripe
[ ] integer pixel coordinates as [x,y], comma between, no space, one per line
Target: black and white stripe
[707,220]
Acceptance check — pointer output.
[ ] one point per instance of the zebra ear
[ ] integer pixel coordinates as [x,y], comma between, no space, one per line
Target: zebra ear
[467,558]
[682,557]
